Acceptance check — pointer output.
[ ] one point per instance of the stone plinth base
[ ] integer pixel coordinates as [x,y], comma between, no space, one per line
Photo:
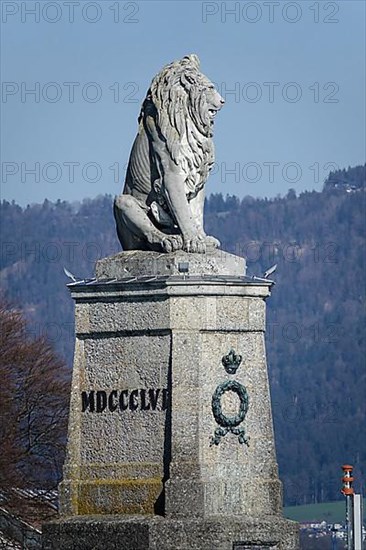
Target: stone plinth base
[136,263]
[158,533]
[170,411]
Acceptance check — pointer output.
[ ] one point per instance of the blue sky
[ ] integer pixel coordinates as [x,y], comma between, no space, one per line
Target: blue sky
[292,73]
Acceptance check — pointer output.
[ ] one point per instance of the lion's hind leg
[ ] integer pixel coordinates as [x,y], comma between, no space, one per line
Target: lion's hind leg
[137,232]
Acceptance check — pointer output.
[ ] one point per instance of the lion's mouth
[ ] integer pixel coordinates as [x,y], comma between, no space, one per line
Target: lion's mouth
[212,113]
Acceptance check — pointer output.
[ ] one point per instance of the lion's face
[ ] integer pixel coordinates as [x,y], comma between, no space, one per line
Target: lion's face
[204,103]
[181,91]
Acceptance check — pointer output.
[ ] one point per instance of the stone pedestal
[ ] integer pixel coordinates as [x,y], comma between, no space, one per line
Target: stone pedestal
[170,442]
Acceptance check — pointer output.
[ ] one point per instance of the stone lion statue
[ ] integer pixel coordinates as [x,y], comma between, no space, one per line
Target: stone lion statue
[161,206]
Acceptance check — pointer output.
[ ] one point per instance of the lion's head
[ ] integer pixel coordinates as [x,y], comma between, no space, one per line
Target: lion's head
[184,104]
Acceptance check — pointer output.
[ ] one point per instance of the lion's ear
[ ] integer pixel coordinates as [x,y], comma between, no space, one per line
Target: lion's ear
[194,60]
[188,79]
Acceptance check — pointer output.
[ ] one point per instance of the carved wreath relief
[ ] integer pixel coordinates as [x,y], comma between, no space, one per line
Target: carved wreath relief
[231,363]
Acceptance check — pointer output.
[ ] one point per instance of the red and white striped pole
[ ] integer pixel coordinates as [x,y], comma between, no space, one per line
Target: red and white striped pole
[348,493]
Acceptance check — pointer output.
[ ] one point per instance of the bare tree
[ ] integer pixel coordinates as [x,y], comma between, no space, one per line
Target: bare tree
[34,392]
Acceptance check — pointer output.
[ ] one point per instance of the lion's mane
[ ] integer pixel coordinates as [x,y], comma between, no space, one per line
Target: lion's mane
[177,101]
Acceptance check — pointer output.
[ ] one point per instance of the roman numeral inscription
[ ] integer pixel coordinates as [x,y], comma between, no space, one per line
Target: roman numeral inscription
[126,400]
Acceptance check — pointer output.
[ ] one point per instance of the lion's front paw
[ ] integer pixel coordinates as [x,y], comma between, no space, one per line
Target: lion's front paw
[212,242]
[194,244]
[170,243]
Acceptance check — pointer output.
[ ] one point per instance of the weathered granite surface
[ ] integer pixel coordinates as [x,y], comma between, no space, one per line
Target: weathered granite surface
[136,263]
[157,533]
[143,432]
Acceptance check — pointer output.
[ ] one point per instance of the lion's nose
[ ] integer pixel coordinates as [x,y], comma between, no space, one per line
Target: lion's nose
[222,100]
